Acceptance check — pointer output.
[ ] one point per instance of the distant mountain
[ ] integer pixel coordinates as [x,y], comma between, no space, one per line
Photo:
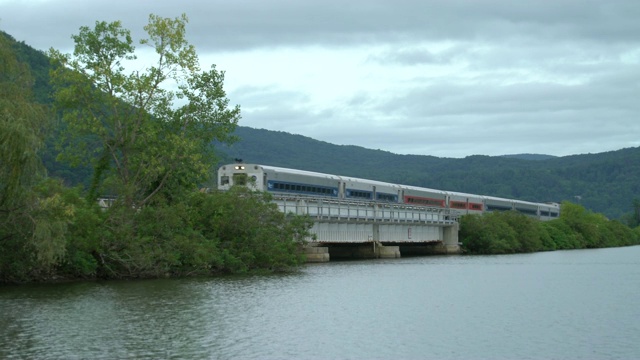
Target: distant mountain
[606,183]
[534,157]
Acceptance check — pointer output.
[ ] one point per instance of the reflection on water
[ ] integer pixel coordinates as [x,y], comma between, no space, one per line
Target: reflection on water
[567,304]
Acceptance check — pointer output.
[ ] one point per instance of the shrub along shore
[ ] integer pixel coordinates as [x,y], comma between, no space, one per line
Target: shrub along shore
[512,232]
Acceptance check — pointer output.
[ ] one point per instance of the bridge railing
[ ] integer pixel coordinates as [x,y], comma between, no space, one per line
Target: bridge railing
[322,209]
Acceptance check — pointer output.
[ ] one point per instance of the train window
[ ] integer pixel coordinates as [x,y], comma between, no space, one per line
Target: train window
[475,206]
[458,205]
[423,201]
[240,179]
[224,180]
[527,211]
[387,197]
[360,194]
[302,188]
[498,208]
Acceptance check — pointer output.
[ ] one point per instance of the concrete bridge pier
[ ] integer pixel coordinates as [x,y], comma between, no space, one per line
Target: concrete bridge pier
[450,241]
[316,253]
[369,250]
[381,251]
[386,252]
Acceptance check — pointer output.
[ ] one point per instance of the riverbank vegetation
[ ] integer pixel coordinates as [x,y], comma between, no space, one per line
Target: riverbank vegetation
[512,232]
[149,148]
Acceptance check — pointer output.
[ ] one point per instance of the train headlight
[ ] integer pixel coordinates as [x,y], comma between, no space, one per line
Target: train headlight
[239,167]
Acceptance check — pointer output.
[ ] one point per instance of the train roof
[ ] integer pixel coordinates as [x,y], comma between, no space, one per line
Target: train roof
[294,171]
[373,182]
[381,183]
[455,193]
[316,174]
[418,188]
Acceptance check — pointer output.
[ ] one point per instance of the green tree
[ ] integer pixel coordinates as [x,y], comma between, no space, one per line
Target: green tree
[488,234]
[142,138]
[633,219]
[249,230]
[22,130]
[33,217]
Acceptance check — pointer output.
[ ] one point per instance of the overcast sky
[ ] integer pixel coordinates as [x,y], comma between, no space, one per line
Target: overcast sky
[447,78]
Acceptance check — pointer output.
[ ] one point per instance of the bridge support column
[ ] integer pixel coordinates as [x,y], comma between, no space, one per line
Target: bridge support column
[386,252]
[450,241]
[316,253]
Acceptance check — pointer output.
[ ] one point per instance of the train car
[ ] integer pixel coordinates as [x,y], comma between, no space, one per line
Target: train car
[549,211]
[527,208]
[278,180]
[362,189]
[307,183]
[413,195]
[492,204]
[465,203]
[536,210]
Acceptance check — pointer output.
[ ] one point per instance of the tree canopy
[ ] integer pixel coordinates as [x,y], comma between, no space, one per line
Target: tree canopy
[143,131]
[22,128]
[148,134]
[32,220]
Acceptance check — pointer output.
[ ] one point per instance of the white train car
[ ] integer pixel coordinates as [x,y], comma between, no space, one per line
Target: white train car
[278,180]
[307,183]
[362,189]
[413,195]
[492,204]
[549,211]
[465,203]
[542,211]
[527,208]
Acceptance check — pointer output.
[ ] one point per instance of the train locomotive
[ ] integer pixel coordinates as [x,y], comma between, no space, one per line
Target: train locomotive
[286,181]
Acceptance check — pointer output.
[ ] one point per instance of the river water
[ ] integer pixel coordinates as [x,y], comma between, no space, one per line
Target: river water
[580,304]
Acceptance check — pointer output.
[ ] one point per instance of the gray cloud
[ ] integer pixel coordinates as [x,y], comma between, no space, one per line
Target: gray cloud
[219,24]
[444,78]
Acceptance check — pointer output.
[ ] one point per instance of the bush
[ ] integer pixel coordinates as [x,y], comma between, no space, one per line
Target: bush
[507,232]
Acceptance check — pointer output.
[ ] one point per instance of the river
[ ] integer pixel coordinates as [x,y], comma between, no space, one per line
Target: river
[580,304]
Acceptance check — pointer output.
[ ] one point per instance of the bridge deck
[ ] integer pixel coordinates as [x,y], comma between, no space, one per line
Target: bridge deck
[347,221]
[329,210]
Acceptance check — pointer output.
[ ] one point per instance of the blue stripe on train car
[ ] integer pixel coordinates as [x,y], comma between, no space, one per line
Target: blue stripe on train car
[301,188]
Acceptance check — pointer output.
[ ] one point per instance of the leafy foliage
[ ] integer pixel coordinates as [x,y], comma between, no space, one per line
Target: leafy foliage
[127,125]
[149,152]
[22,127]
[512,232]
[207,233]
[33,218]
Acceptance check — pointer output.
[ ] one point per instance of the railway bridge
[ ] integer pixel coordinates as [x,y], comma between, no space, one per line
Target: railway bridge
[367,229]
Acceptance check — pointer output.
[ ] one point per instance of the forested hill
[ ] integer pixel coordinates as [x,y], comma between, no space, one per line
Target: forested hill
[606,182]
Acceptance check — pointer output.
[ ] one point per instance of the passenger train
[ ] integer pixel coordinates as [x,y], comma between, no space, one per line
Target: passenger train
[279,180]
